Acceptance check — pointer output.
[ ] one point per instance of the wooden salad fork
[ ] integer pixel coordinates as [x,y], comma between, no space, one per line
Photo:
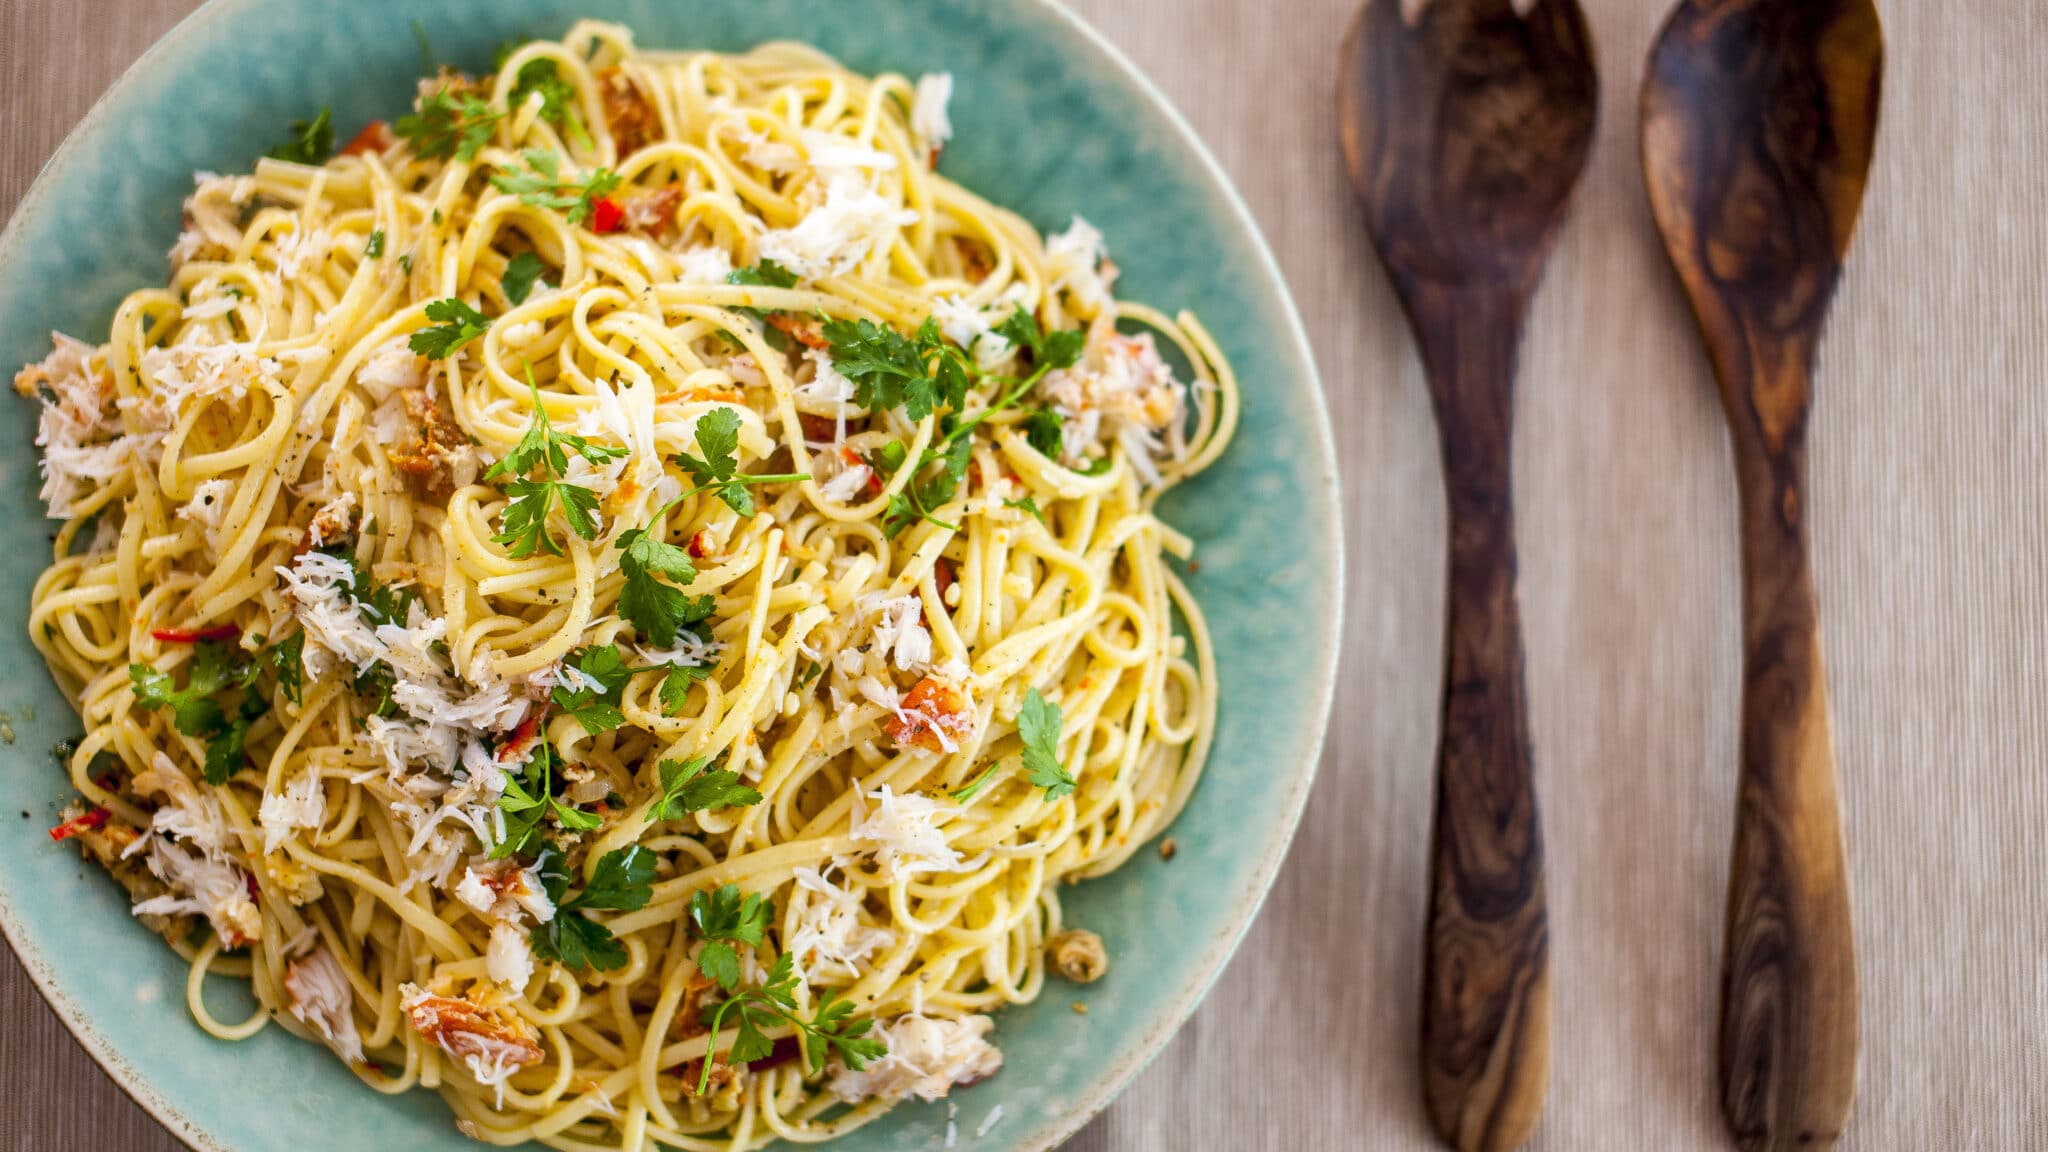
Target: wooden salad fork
[1465,127]
[1759,118]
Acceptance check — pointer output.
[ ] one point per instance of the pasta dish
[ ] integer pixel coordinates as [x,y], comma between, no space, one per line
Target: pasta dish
[620,595]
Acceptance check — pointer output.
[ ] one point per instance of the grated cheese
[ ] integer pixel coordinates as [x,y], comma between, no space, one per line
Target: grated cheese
[830,937]
[901,828]
[209,502]
[929,117]
[303,804]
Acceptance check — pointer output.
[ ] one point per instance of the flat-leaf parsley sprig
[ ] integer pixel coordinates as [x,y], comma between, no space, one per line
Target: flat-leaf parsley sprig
[623,881]
[718,437]
[541,184]
[525,519]
[724,919]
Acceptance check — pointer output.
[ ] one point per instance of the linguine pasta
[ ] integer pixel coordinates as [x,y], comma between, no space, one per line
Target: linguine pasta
[625,549]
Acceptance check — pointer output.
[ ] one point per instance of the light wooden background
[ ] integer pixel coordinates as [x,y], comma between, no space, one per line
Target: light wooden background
[1929,508]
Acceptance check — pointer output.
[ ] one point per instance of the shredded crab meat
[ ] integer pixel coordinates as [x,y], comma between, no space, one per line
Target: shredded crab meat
[927,1056]
[480,1029]
[321,997]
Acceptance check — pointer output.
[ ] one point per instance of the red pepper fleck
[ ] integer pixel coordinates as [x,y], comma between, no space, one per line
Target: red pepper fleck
[515,749]
[606,215]
[92,818]
[375,137]
[191,636]
[700,544]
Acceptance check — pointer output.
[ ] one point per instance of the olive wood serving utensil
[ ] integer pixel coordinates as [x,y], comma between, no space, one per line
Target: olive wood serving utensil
[1759,118]
[1464,130]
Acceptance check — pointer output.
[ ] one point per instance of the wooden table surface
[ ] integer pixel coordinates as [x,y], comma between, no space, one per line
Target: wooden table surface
[1929,445]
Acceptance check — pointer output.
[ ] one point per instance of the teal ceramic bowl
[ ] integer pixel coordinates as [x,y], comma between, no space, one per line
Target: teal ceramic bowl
[1050,121]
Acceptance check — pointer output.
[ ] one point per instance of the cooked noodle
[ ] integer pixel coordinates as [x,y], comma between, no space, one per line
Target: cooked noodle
[257,453]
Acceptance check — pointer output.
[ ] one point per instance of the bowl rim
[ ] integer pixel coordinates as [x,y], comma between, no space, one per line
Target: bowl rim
[1216,953]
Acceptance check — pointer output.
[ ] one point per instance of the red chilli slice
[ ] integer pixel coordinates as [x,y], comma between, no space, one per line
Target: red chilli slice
[194,636]
[92,818]
[606,215]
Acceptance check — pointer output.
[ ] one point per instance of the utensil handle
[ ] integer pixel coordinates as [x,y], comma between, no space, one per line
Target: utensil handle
[1789,1015]
[1486,971]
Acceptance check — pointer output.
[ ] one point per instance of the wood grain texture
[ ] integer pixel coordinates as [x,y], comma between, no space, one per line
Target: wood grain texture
[1759,120]
[1464,129]
[1925,511]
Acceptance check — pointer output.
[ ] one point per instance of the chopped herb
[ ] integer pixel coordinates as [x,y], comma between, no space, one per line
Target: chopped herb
[374,248]
[287,659]
[542,185]
[448,125]
[889,369]
[197,709]
[1045,432]
[931,491]
[686,787]
[675,687]
[405,262]
[724,918]
[967,793]
[455,324]
[426,47]
[1050,351]
[557,98]
[1038,723]
[312,141]
[525,519]
[766,274]
[832,1028]
[1028,504]
[1096,467]
[717,437]
[623,881]
[522,272]
[528,798]
[601,676]
[658,609]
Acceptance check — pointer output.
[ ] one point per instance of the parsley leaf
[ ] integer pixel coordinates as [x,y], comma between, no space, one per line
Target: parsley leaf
[527,800]
[675,687]
[1028,504]
[1050,351]
[522,272]
[1038,723]
[766,274]
[655,608]
[447,125]
[196,709]
[623,881]
[718,435]
[832,1028]
[557,98]
[542,185]
[287,659]
[456,324]
[374,247]
[1045,432]
[889,369]
[724,918]
[601,675]
[686,787]
[312,141]
[931,491]
[525,518]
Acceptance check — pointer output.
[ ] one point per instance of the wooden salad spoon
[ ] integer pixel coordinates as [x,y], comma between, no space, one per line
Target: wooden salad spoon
[1759,118]
[1465,127]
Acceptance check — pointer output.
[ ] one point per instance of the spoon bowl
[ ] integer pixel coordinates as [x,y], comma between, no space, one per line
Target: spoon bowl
[1465,126]
[1759,122]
